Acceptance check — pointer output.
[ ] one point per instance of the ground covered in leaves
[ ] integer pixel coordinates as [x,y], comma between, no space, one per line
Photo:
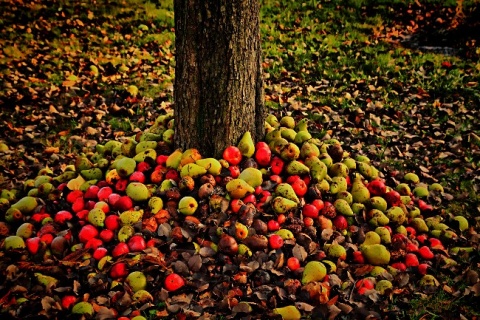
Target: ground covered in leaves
[396,83]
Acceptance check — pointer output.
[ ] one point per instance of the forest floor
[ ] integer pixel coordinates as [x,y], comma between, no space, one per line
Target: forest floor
[398,83]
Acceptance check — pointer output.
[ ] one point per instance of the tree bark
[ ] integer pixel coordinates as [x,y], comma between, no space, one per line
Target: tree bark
[218,88]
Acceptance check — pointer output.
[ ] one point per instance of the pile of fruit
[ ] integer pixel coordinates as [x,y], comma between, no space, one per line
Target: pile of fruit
[289,226]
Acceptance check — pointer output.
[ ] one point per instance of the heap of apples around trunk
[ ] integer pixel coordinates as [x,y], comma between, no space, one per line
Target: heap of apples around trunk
[304,201]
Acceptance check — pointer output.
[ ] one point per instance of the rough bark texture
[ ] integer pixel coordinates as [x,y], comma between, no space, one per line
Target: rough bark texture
[218,77]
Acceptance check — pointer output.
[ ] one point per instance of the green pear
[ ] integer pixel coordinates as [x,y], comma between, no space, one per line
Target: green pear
[125,167]
[313,271]
[14,242]
[285,234]
[411,177]
[371,237]
[359,191]
[286,190]
[288,134]
[288,122]
[125,233]
[429,281]
[82,163]
[363,159]
[462,222]
[25,230]
[338,169]
[309,149]
[318,169]
[137,191]
[326,159]
[364,169]
[128,147]
[212,165]
[187,205]
[414,212]
[275,134]
[108,147]
[151,136]
[96,217]
[323,185]
[383,285]
[25,205]
[155,204]
[252,176]
[238,188]
[350,163]
[357,208]
[272,120]
[296,168]
[246,145]
[419,224]
[290,152]
[376,254]
[338,184]
[136,280]
[345,195]
[377,218]
[41,180]
[342,207]
[190,156]
[436,187]
[302,125]
[336,251]
[145,155]
[396,215]
[378,203]
[403,189]
[131,217]
[420,192]
[92,174]
[406,199]
[301,137]
[288,312]
[277,145]
[193,170]
[384,234]
[173,160]
[167,136]
[283,205]
[84,308]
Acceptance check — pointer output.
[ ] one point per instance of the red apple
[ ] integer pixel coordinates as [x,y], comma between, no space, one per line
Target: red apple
[113,198]
[299,187]
[319,204]
[276,165]
[275,241]
[377,187]
[399,266]
[62,216]
[73,195]
[425,253]
[82,214]
[104,193]
[393,198]
[137,243]
[119,270]
[308,222]
[263,156]
[121,185]
[173,282]
[120,249]
[340,222]
[411,260]
[87,232]
[423,268]
[250,199]
[137,176]
[265,196]
[236,204]
[234,171]
[293,263]
[106,235]
[172,174]
[273,225]
[233,155]
[93,243]
[161,159]
[78,204]
[309,210]
[276,178]
[143,166]
[124,203]
[91,192]
[68,301]
[99,253]
[47,238]
[358,257]
[33,244]
[112,222]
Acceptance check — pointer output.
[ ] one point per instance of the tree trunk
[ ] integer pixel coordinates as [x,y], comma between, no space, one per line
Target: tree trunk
[218,77]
